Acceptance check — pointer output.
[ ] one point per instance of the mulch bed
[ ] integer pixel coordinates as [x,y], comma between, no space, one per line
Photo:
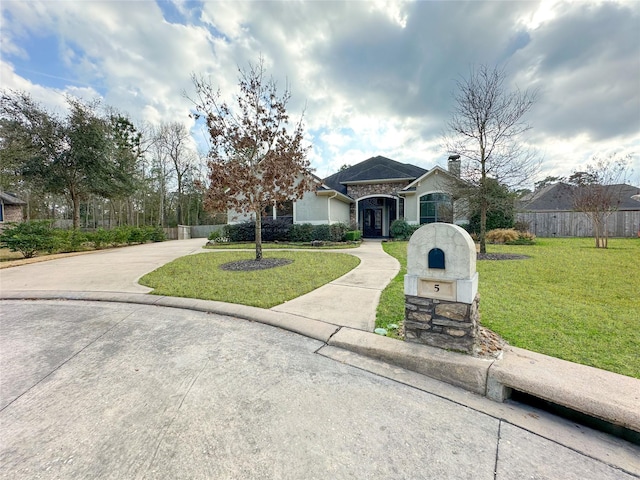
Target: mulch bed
[501,256]
[251,265]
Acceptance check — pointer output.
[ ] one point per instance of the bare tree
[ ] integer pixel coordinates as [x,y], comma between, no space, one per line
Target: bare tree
[596,192]
[485,130]
[256,159]
[173,139]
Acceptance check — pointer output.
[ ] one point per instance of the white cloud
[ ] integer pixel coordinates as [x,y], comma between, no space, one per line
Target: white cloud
[375,77]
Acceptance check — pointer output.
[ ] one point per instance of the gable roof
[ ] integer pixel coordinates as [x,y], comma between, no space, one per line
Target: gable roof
[9,199]
[559,197]
[556,196]
[371,170]
[434,171]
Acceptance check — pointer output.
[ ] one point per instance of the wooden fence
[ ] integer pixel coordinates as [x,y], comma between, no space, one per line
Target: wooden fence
[577,224]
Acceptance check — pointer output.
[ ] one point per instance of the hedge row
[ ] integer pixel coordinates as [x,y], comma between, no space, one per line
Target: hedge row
[35,236]
[281,231]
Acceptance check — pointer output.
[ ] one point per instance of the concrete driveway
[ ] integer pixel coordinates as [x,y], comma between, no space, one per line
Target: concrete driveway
[114,270]
[350,300]
[109,390]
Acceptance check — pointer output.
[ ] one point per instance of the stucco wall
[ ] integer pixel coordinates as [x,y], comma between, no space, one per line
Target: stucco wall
[436,183]
[339,211]
[311,209]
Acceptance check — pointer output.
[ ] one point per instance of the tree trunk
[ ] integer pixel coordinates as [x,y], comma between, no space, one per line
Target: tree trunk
[76,211]
[258,234]
[598,229]
[483,227]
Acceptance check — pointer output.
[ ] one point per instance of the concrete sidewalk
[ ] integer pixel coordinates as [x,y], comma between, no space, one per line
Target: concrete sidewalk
[351,300]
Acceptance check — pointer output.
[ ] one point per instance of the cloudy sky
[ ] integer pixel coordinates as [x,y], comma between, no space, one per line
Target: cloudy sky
[374,77]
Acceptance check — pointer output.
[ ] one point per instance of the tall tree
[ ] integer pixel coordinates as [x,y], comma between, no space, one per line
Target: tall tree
[596,192]
[71,155]
[486,130]
[256,160]
[173,139]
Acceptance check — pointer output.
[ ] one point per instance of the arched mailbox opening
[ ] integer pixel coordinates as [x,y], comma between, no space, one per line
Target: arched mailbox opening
[436,259]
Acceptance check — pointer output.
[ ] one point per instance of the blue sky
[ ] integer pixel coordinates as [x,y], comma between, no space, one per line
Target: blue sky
[373,77]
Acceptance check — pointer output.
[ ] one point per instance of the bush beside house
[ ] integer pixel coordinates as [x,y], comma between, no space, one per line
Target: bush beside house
[280,231]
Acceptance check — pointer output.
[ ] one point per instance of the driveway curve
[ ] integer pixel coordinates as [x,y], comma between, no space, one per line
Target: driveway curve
[349,301]
[114,270]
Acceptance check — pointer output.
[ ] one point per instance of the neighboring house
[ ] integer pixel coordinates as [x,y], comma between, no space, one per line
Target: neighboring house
[374,193]
[10,208]
[549,212]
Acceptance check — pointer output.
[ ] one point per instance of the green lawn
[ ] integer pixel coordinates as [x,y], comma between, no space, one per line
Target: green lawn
[199,276]
[569,300]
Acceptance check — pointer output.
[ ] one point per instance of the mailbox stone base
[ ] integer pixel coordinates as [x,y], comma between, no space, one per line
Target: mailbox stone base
[440,323]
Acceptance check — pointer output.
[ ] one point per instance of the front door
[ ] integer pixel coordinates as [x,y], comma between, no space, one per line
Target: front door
[373,222]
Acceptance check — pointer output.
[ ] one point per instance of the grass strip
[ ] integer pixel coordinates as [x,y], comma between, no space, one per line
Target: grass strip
[199,276]
[568,300]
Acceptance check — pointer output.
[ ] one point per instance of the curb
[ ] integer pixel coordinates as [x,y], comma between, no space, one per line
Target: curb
[456,369]
[605,395]
[598,393]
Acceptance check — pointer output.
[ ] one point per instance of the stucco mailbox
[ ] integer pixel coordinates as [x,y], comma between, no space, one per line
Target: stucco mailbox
[441,288]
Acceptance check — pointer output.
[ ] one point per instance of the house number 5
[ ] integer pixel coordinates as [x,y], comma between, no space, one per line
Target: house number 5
[436,287]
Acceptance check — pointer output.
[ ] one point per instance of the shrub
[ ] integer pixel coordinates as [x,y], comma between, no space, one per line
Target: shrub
[214,235]
[155,234]
[400,229]
[502,235]
[524,238]
[241,232]
[322,233]
[275,230]
[120,235]
[353,235]
[67,240]
[137,235]
[28,237]
[301,232]
[101,238]
[338,231]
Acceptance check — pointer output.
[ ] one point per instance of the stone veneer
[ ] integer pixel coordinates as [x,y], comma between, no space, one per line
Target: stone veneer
[369,189]
[372,189]
[442,324]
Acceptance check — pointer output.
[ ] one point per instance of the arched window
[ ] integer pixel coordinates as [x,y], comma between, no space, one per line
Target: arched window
[436,207]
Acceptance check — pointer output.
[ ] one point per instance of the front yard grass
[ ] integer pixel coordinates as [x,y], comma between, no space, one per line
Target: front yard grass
[199,276]
[568,300]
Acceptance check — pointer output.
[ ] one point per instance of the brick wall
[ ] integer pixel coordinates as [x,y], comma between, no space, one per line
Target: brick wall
[12,213]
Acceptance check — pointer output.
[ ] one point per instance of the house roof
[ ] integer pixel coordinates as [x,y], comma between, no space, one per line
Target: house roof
[428,173]
[373,170]
[559,197]
[9,199]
